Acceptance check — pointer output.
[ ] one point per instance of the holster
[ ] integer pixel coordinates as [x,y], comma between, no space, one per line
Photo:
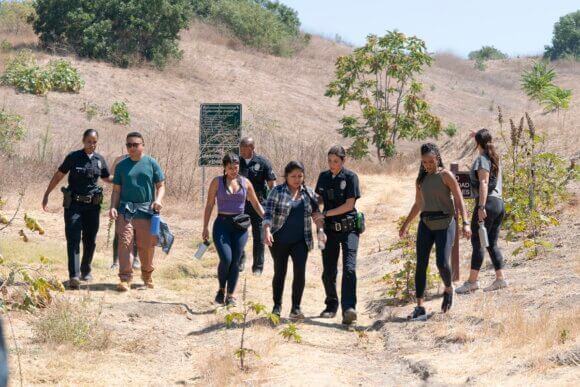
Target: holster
[67,197]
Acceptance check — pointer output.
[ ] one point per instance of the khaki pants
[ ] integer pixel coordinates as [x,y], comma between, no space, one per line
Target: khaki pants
[140,230]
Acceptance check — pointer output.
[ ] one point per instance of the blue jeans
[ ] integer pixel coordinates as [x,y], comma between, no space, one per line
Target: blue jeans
[348,241]
[229,242]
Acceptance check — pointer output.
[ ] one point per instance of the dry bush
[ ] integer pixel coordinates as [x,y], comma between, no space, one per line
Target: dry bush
[179,271]
[69,323]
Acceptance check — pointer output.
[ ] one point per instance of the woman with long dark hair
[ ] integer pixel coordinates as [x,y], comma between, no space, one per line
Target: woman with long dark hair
[486,178]
[230,229]
[436,195]
[288,232]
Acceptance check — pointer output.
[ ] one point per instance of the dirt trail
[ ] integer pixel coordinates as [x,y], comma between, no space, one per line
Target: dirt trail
[173,335]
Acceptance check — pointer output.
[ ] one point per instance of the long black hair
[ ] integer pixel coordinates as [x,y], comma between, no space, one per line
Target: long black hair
[293,165]
[426,149]
[338,151]
[485,141]
[230,158]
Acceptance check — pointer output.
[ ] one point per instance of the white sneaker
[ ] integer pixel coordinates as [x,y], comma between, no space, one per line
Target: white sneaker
[467,287]
[496,285]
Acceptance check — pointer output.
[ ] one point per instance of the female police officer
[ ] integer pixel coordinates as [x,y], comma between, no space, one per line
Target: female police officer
[82,203]
[339,189]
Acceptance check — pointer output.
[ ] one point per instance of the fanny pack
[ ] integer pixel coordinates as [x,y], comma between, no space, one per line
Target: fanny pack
[436,221]
[242,221]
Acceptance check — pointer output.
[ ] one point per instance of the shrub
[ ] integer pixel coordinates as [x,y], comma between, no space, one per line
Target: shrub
[537,83]
[120,113]
[27,76]
[6,46]
[11,131]
[122,32]
[487,53]
[14,15]
[451,129]
[566,40]
[268,26]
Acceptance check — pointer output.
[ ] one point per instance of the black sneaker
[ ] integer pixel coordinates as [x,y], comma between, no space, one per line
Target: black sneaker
[419,313]
[230,301]
[447,301]
[328,313]
[349,316]
[220,297]
[296,314]
[87,277]
[277,310]
[74,283]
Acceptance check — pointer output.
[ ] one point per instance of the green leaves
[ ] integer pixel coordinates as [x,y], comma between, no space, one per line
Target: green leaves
[537,83]
[566,40]
[380,78]
[120,113]
[12,131]
[291,333]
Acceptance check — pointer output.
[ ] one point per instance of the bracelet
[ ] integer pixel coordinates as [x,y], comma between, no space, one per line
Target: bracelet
[481,206]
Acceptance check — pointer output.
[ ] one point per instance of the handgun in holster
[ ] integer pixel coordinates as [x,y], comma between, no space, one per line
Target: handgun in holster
[67,197]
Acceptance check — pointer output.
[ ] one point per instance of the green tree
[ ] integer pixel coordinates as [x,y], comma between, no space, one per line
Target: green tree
[120,31]
[380,78]
[566,40]
[537,83]
[487,53]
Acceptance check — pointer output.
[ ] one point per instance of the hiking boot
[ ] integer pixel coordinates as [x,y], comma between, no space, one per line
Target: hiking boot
[419,314]
[496,285]
[328,313]
[136,263]
[74,283]
[447,301]
[349,316]
[124,286]
[277,310]
[467,287]
[148,282]
[220,297]
[296,314]
[231,301]
[87,277]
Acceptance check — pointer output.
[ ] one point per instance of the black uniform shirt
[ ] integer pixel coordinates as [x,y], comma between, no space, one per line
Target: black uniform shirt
[259,171]
[336,190]
[84,171]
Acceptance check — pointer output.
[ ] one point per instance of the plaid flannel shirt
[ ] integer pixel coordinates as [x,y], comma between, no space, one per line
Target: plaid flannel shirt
[277,209]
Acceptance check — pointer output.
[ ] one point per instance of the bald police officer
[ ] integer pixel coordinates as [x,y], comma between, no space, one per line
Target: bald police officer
[258,170]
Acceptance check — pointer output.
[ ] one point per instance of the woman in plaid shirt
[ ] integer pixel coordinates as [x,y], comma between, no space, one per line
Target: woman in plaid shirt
[288,232]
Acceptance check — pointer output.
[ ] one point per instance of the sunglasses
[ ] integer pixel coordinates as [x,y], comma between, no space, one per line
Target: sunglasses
[133,144]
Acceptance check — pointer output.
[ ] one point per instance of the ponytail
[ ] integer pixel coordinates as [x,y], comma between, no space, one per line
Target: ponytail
[485,141]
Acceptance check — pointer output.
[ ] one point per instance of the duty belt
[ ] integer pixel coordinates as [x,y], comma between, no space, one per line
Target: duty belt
[342,225]
[87,199]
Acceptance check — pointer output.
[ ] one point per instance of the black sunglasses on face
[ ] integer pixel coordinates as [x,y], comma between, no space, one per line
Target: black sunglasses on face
[133,144]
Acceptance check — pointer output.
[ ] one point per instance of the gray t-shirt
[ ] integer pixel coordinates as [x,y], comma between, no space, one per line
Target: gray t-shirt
[483,162]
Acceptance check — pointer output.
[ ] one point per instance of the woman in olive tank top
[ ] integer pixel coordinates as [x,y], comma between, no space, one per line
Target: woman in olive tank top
[436,195]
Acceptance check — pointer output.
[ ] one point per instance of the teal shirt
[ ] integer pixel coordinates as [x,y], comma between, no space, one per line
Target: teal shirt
[138,179]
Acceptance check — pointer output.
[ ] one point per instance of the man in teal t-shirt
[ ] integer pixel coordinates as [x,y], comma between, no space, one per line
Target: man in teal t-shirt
[138,189]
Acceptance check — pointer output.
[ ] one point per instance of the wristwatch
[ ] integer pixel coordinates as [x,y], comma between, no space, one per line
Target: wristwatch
[481,207]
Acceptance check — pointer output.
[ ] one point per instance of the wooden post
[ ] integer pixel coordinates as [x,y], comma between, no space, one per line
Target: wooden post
[455,251]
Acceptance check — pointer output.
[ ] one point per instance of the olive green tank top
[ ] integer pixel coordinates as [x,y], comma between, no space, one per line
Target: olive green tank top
[436,195]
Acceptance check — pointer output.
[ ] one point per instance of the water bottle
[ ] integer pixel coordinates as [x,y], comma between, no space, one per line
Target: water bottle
[201,249]
[483,240]
[155,223]
[321,243]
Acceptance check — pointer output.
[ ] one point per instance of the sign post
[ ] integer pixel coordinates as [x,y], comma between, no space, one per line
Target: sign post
[465,186]
[220,132]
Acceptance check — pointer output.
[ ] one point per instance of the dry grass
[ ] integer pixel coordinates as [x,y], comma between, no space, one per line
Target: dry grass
[77,324]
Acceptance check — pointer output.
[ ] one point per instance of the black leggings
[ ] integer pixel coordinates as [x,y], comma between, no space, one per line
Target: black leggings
[443,240]
[280,253]
[495,209]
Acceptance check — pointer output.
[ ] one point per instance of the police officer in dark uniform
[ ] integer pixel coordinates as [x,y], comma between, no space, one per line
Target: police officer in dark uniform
[82,203]
[338,189]
[259,171]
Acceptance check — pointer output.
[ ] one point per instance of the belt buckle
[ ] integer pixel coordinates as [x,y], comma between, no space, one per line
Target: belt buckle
[337,227]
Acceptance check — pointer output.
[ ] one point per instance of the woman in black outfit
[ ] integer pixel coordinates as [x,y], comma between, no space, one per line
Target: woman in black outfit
[486,178]
[288,232]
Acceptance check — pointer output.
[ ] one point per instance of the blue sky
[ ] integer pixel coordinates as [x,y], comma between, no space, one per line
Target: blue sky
[516,27]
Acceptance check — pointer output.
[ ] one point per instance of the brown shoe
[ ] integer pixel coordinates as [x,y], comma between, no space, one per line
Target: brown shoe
[148,281]
[124,286]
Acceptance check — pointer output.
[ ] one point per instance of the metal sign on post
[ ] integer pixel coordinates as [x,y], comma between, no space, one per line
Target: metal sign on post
[466,190]
[220,130]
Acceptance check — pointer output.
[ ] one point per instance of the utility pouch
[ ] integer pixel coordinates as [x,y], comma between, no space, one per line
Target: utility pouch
[360,222]
[436,221]
[67,197]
